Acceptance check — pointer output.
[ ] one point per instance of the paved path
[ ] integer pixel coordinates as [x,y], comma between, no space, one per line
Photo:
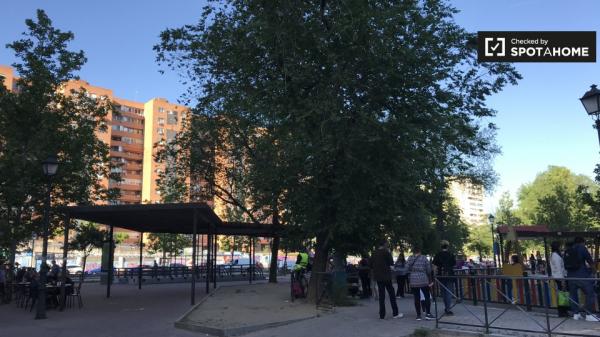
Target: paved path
[152,311]
[129,312]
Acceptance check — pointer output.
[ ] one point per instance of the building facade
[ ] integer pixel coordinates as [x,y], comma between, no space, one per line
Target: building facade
[132,134]
[470,199]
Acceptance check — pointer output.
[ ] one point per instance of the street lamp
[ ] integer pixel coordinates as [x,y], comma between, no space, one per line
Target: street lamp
[491,219]
[49,167]
[591,103]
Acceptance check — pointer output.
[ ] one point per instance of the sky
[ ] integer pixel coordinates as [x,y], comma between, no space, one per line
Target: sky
[541,121]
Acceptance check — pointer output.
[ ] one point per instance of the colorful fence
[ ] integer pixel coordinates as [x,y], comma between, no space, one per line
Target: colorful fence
[530,292]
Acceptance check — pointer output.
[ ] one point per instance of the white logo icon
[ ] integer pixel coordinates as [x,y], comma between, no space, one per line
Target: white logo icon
[495,46]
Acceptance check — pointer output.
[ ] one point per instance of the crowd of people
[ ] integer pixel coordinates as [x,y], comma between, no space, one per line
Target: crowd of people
[570,269]
[13,275]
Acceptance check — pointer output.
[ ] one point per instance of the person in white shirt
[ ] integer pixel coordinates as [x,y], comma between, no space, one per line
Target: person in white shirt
[557,266]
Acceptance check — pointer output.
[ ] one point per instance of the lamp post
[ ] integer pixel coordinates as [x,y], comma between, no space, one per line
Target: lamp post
[491,219]
[591,103]
[33,237]
[49,166]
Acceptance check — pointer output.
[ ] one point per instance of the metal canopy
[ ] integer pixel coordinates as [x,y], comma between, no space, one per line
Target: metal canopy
[542,231]
[177,218]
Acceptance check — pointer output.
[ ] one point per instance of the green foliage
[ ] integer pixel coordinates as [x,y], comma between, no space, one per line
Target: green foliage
[343,117]
[120,237]
[167,243]
[555,199]
[88,237]
[480,241]
[39,120]
[505,213]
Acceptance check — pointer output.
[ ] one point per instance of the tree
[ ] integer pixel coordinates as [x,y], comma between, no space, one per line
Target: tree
[88,238]
[167,243]
[346,116]
[551,199]
[41,119]
[480,241]
[505,212]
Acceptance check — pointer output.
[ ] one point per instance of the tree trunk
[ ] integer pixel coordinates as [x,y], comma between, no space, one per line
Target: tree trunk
[85,256]
[274,260]
[274,249]
[319,266]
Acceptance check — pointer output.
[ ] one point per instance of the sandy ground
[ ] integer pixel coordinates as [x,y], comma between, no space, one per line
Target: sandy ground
[244,305]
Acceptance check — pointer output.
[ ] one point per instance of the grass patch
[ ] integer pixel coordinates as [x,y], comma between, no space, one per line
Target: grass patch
[422,332]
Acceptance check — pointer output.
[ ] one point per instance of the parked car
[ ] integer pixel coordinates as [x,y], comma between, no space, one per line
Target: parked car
[74,268]
[94,271]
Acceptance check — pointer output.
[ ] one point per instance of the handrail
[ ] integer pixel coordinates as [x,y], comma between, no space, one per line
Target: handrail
[518,292]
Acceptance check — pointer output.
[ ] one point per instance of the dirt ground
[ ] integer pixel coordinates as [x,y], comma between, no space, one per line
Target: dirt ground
[249,305]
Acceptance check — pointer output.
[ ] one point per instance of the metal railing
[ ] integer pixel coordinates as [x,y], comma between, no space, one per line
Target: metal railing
[222,272]
[506,292]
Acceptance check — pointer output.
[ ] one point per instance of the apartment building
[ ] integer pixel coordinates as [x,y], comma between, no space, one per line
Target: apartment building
[469,198]
[132,134]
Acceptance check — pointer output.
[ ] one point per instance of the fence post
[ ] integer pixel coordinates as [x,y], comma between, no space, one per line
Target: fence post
[473,284]
[547,306]
[487,324]
[527,291]
[437,316]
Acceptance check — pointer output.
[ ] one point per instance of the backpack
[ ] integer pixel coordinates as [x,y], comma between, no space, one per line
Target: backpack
[572,260]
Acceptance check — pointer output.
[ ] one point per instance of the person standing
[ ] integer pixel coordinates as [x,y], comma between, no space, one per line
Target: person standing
[401,274]
[381,261]
[580,264]
[445,262]
[557,267]
[2,281]
[532,263]
[420,281]
[364,273]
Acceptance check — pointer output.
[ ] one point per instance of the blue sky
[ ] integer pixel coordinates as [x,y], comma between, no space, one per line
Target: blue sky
[541,121]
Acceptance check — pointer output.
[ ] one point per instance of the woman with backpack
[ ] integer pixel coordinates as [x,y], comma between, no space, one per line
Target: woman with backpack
[419,270]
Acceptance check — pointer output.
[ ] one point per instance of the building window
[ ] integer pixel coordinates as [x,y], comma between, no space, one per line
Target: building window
[161,110]
[172,117]
[171,135]
[160,131]
[161,121]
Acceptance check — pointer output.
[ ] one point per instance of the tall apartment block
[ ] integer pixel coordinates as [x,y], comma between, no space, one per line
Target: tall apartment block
[132,134]
[469,197]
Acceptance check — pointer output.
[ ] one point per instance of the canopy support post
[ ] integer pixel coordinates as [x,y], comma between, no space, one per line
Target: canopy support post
[110,260]
[194,238]
[140,267]
[63,293]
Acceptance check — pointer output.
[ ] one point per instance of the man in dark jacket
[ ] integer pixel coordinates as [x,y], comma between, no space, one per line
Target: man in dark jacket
[445,262]
[380,265]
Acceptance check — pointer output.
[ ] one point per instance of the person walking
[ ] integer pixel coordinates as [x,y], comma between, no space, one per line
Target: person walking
[364,273]
[445,262]
[420,281]
[401,274]
[557,267]
[580,264]
[381,261]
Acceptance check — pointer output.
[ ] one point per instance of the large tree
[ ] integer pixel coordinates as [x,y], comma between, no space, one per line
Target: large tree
[347,116]
[505,212]
[554,199]
[40,119]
